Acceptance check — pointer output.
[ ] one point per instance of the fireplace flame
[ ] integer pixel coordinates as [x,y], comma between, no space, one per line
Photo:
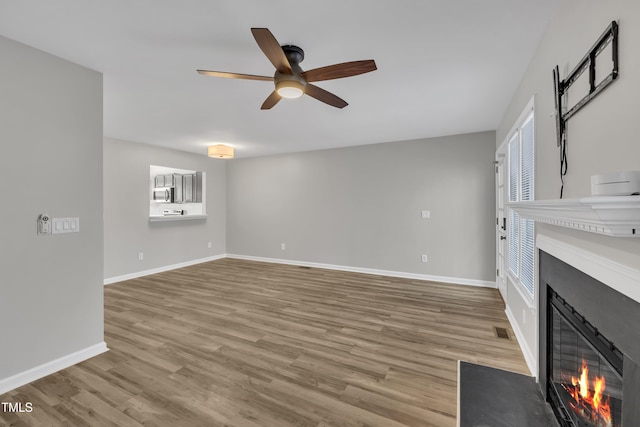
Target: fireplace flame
[590,403]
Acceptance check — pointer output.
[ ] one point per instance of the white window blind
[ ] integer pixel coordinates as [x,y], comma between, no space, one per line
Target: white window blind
[514,242]
[527,229]
[527,154]
[521,231]
[514,227]
[514,167]
[527,255]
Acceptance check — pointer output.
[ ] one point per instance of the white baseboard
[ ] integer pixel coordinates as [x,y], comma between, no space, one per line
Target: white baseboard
[529,357]
[48,368]
[390,273]
[111,280]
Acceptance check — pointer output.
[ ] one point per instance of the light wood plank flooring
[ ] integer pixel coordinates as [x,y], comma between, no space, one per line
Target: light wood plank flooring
[247,344]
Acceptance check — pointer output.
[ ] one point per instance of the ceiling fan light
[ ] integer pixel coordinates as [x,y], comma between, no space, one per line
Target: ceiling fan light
[220,151]
[290,89]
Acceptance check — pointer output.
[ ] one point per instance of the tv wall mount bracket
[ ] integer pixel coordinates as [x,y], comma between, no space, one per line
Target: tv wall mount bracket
[588,62]
[561,88]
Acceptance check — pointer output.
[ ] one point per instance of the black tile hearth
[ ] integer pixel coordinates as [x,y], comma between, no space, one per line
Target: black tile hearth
[495,398]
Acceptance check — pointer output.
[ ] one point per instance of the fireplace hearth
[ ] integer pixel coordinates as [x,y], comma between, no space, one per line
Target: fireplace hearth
[589,348]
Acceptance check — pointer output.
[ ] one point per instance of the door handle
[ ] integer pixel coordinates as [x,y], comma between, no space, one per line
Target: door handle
[503,237]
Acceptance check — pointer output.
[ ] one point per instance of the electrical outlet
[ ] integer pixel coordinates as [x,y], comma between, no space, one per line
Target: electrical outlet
[209,245]
[140,256]
[426,214]
[424,258]
[283,246]
[44,224]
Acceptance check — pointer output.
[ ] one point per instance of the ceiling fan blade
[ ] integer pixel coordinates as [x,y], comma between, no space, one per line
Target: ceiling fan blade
[234,75]
[324,96]
[338,71]
[272,49]
[271,101]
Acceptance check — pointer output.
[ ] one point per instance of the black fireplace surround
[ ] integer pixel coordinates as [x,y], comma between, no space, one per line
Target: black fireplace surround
[615,316]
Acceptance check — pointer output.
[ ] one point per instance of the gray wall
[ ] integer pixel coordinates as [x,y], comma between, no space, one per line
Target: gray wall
[51,134]
[127,229]
[360,206]
[602,137]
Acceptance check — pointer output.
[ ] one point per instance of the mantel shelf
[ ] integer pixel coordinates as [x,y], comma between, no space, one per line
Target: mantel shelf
[617,216]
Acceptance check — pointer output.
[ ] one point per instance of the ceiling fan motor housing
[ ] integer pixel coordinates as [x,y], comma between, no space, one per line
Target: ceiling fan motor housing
[294,54]
[291,85]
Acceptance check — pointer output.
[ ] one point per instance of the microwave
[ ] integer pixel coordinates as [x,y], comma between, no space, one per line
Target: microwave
[164,195]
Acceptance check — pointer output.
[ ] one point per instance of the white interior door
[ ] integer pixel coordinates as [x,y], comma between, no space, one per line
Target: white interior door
[501,226]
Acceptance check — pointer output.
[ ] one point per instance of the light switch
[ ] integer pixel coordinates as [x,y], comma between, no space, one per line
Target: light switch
[426,214]
[66,225]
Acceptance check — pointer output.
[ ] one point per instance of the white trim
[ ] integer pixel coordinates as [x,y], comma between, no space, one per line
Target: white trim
[620,277]
[48,368]
[528,108]
[501,260]
[376,272]
[529,357]
[111,280]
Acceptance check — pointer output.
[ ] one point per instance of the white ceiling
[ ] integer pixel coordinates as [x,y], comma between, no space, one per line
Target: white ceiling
[444,66]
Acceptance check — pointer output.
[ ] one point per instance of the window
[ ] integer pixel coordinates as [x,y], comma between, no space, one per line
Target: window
[521,231]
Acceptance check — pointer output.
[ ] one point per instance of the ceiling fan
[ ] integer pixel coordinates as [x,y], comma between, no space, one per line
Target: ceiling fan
[289,79]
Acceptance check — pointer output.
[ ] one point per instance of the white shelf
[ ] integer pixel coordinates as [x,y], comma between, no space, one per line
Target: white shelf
[162,218]
[612,216]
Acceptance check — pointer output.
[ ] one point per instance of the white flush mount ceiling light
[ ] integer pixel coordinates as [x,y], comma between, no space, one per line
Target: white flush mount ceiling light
[220,151]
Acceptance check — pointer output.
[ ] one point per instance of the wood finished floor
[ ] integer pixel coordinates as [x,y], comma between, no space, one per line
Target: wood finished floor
[246,344]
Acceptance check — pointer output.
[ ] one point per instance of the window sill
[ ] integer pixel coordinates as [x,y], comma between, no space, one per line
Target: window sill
[162,218]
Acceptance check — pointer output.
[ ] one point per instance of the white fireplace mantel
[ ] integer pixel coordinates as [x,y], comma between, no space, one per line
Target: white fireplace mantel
[617,216]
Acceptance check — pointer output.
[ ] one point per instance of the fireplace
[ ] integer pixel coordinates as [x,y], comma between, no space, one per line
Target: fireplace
[585,382]
[589,348]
